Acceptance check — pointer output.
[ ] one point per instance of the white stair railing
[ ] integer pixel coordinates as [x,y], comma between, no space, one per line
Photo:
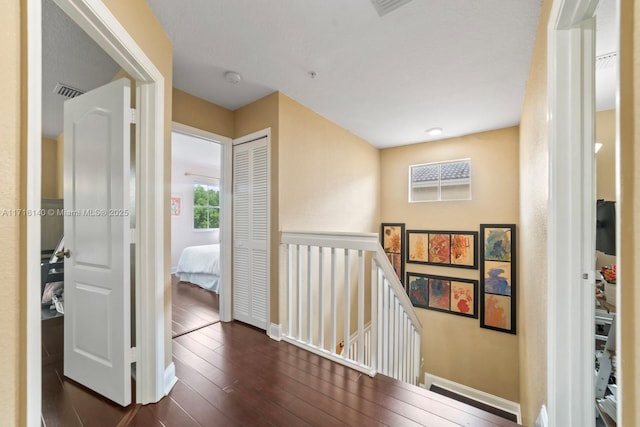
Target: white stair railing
[344,302]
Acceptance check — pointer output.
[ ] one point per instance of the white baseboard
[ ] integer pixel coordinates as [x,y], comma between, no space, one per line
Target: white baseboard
[472,393]
[275,332]
[170,378]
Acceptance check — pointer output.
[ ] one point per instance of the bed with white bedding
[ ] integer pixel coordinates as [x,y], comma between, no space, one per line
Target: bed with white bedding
[200,265]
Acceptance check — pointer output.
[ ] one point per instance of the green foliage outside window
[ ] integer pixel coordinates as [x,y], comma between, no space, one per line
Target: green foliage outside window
[206,206]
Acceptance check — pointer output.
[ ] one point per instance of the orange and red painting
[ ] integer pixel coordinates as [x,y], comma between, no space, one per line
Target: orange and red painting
[497,311]
[439,248]
[462,249]
[463,298]
[439,294]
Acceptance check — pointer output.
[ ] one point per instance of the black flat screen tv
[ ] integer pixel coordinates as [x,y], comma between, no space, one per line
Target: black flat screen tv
[606,227]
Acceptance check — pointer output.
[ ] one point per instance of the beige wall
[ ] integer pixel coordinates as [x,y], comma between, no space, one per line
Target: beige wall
[628,203]
[482,359]
[534,176]
[329,178]
[60,168]
[12,391]
[49,168]
[204,115]
[606,157]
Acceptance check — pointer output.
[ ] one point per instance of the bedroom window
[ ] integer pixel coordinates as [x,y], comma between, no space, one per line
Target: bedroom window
[431,182]
[206,206]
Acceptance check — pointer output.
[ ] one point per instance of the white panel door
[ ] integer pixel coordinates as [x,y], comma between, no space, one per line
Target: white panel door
[97,320]
[250,233]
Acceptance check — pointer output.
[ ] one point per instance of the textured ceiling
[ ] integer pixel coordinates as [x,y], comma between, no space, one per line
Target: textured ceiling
[69,56]
[454,64]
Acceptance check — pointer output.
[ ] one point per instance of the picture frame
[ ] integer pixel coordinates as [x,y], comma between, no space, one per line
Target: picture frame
[176,205]
[498,277]
[392,239]
[458,249]
[445,294]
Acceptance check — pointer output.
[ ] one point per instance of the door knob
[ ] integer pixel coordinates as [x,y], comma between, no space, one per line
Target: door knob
[66,253]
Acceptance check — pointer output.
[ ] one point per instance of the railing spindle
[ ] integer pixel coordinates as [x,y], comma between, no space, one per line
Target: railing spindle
[361,346]
[299,294]
[309,296]
[334,299]
[321,296]
[289,288]
[347,302]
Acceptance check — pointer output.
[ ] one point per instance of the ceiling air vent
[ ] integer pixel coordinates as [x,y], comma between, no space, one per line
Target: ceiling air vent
[66,90]
[386,6]
[605,61]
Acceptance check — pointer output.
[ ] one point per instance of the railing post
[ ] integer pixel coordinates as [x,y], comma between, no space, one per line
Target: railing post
[289,289]
[361,345]
[299,293]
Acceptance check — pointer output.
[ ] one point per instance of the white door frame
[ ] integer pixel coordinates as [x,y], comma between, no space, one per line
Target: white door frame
[153,379]
[571,227]
[226,312]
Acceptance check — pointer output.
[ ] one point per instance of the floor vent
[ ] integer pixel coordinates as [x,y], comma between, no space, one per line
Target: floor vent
[490,403]
[386,6]
[66,90]
[464,399]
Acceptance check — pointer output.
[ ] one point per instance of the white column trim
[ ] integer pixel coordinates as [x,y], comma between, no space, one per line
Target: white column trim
[571,226]
[34,170]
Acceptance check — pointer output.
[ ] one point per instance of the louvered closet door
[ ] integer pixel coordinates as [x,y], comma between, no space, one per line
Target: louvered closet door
[250,232]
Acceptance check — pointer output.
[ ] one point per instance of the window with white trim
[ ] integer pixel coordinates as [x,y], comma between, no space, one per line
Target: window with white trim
[442,181]
[206,206]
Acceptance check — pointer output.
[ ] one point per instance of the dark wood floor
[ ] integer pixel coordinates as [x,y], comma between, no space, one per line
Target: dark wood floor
[231,374]
[192,307]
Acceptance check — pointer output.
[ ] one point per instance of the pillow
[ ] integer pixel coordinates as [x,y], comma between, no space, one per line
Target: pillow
[50,289]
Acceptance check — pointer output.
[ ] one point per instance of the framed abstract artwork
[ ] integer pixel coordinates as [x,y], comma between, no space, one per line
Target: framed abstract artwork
[444,248]
[446,294]
[392,240]
[418,246]
[417,286]
[176,205]
[498,277]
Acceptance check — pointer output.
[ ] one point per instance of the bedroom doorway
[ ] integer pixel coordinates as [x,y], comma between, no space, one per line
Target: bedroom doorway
[198,223]
[154,378]
[71,58]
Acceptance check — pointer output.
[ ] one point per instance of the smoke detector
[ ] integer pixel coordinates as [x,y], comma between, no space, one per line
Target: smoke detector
[232,77]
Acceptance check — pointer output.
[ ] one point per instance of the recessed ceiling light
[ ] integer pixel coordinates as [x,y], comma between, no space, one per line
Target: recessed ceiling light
[434,131]
[232,77]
